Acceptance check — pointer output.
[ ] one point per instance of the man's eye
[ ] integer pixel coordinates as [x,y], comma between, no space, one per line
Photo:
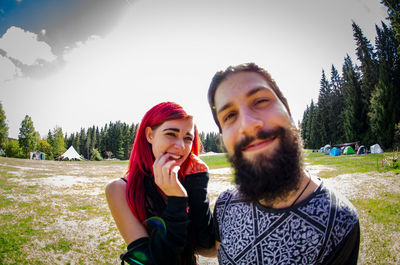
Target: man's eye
[229,116]
[171,134]
[261,101]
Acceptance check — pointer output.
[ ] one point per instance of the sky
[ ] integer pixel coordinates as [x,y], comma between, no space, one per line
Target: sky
[78,63]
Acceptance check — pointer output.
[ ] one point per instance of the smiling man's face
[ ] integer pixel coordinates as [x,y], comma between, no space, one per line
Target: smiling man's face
[245,105]
[263,145]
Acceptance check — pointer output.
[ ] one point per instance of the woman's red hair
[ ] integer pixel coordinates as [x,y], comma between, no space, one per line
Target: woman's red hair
[142,158]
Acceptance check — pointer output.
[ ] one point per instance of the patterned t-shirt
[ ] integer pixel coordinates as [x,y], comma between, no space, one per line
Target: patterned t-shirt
[310,232]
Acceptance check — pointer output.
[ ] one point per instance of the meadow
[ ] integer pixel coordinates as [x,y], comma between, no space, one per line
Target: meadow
[55,212]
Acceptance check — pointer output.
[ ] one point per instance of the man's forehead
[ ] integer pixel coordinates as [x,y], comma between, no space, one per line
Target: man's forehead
[244,84]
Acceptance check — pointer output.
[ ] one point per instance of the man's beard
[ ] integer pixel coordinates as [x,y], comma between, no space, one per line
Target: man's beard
[269,177]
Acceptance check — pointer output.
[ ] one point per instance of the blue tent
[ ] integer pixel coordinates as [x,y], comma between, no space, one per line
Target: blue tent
[334,152]
[362,150]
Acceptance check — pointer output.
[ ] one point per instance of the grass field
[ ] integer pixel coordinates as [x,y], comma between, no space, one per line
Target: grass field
[55,212]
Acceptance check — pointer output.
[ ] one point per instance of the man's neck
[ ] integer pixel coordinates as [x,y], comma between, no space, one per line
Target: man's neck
[306,187]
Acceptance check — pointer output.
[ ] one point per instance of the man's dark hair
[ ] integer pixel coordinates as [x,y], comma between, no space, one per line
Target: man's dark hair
[246,67]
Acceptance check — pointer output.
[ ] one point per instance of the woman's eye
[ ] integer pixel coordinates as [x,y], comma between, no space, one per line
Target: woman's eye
[189,139]
[171,134]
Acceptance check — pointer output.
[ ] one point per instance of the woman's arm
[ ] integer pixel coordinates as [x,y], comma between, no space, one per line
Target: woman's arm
[165,243]
[127,224]
[200,215]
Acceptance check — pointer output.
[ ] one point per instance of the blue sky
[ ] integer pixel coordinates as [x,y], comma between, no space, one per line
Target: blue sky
[80,63]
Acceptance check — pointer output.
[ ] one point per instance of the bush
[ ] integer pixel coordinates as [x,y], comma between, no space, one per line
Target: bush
[96,155]
[14,150]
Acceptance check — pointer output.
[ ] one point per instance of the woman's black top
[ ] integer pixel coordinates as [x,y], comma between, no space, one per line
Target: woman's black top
[182,225]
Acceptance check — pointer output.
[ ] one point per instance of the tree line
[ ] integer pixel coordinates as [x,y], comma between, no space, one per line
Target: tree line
[113,140]
[363,102]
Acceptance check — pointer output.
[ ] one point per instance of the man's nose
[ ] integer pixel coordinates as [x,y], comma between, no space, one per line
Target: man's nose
[249,123]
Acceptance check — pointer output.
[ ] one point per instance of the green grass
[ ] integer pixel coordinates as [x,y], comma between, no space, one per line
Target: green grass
[349,164]
[385,210]
[380,219]
[216,161]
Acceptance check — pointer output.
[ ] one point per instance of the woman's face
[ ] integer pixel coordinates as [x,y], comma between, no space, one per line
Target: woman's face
[174,137]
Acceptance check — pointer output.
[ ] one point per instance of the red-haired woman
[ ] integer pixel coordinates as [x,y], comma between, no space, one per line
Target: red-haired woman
[161,207]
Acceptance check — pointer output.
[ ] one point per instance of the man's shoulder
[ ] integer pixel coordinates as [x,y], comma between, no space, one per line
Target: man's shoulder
[229,195]
[328,203]
[337,199]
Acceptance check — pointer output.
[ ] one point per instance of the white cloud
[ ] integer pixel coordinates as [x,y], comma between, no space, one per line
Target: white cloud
[7,69]
[25,47]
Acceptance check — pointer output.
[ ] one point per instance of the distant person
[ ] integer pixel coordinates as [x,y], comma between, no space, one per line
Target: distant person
[277,213]
[160,207]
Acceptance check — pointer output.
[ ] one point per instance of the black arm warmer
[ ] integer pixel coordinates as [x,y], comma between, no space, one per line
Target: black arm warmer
[163,246]
[201,219]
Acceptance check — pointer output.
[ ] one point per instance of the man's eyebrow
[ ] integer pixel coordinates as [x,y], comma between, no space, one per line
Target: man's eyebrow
[224,107]
[254,91]
[248,94]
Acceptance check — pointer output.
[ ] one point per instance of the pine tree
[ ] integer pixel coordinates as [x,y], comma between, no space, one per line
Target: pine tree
[366,56]
[3,128]
[383,114]
[306,126]
[394,16]
[303,127]
[318,135]
[82,142]
[336,103]
[322,133]
[77,143]
[88,143]
[352,112]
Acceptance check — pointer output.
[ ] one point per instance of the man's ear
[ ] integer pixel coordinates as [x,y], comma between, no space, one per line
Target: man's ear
[149,134]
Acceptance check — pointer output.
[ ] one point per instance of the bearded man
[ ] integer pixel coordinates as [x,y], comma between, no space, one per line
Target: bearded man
[277,213]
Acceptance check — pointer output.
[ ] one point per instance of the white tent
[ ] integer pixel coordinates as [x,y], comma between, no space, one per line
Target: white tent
[376,148]
[71,154]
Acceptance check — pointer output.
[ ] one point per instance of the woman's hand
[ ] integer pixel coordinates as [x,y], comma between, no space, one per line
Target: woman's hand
[196,165]
[165,171]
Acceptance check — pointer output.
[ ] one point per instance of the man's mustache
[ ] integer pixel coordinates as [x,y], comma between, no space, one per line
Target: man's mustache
[261,135]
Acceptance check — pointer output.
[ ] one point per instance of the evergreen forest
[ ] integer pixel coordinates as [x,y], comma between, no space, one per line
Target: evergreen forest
[362,103]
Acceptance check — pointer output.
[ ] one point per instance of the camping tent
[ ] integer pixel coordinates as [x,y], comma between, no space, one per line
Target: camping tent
[376,148]
[327,149]
[37,155]
[342,149]
[362,150]
[334,152]
[71,154]
[348,150]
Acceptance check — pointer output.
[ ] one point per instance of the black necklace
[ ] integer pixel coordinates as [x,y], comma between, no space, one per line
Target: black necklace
[301,193]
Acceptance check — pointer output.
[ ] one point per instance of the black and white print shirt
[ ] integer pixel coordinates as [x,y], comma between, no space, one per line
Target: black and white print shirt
[322,229]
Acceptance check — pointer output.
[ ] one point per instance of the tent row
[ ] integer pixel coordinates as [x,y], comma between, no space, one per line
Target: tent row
[348,150]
